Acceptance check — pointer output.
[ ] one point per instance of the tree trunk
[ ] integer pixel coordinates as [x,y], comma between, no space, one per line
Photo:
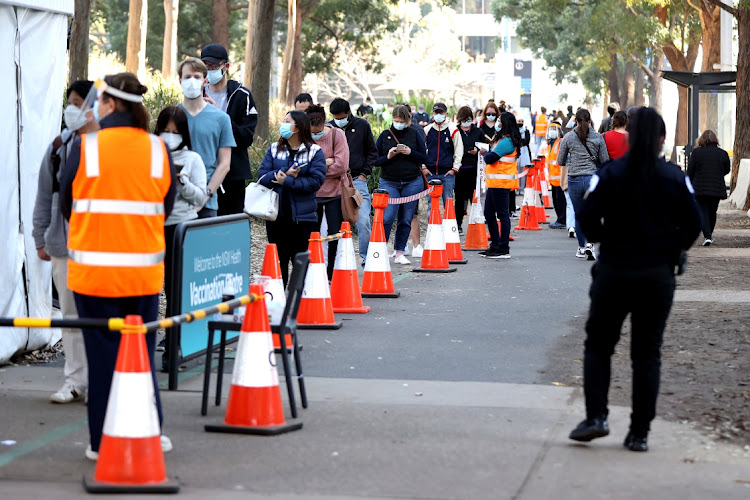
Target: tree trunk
[220,22]
[628,88]
[79,41]
[263,30]
[247,78]
[614,85]
[742,129]
[710,17]
[135,56]
[291,75]
[169,51]
[639,89]
[655,91]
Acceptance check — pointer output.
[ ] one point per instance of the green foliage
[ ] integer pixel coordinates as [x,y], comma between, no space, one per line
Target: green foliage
[161,93]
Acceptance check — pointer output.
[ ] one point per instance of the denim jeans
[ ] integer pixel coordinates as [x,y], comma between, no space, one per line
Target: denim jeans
[363,223]
[577,187]
[405,211]
[449,183]
[570,215]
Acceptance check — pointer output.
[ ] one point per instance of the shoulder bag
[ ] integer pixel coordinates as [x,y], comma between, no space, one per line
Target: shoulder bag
[351,198]
[261,202]
[593,158]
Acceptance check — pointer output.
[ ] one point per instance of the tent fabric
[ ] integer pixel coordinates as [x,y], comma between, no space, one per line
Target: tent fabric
[32,48]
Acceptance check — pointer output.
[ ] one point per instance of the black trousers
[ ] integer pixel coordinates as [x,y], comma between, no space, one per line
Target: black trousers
[463,192]
[709,205]
[560,204]
[290,238]
[334,218]
[102,347]
[496,208]
[233,200]
[647,295]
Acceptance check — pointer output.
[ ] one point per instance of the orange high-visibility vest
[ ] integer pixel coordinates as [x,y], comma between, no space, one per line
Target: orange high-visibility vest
[116,240]
[503,173]
[554,167]
[541,125]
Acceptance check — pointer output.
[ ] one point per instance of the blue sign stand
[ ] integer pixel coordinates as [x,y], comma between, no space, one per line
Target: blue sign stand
[209,254]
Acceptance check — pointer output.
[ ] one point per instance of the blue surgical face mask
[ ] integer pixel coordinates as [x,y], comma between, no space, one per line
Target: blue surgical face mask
[399,125]
[319,135]
[439,118]
[489,118]
[96,111]
[285,130]
[342,122]
[498,127]
[215,75]
[466,123]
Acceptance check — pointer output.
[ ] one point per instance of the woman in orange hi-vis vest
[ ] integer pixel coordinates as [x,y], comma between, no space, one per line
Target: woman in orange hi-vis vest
[501,176]
[116,190]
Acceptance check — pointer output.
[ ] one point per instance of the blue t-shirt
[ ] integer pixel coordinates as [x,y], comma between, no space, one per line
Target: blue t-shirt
[210,130]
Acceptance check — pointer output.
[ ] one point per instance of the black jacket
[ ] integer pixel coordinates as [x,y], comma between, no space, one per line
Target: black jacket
[400,168]
[640,223]
[706,168]
[362,151]
[489,134]
[244,117]
[469,138]
[421,117]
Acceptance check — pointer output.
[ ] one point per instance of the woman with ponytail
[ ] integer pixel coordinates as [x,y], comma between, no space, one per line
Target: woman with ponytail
[583,152]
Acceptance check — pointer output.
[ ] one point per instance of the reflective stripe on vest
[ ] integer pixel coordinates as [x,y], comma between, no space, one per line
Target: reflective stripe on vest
[157,157]
[123,207]
[92,156]
[500,176]
[115,259]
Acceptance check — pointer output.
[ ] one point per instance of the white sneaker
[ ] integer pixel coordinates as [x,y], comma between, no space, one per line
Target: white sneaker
[166,444]
[400,259]
[590,253]
[393,253]
[91,454]
[68,394]
[417,252]
[581,253]
[571,232]
[707,242]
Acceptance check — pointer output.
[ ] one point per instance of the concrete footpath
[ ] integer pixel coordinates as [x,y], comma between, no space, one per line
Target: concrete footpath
[435,395]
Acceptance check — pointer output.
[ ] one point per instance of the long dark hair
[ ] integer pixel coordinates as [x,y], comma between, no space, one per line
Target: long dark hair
[509,127]
[647,132]
[128,82]
[583,118]
[302,122]
[178,116]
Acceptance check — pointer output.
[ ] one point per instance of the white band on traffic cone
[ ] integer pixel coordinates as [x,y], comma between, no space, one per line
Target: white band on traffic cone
[274,290]
[450,230]
[476,216]
[377,258]
[255,361]
[435,240]
[316,282]
[345,258]
[131,410]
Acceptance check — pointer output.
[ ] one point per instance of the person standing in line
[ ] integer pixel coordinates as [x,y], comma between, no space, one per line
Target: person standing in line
[635,273]
[235,100]
[501,178]
[117,189]
[362,157]
[466,178]
[554,138]
[295,168]
[583,152]
[50,234]
[617,138]
[332,142]
[606,123]
[444,150]
[210,131]
[707,166]
[401,154]
[303,101]
[421,118]
[540,129]
[491,115]
[365,108]
[524,160]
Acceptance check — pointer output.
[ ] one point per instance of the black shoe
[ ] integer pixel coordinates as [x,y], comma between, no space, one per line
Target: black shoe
[482,253]
[161,345]
[635,443]
[460,230]
[590,429]
[494,254]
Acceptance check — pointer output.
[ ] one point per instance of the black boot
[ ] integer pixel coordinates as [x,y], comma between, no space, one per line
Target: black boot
[634,442]
[590,429]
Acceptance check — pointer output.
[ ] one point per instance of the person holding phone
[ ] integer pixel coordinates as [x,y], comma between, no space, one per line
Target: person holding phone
[466,178]
[294,167]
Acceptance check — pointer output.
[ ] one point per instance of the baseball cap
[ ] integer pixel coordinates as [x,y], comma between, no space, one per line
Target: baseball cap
[439,106]
[214,53]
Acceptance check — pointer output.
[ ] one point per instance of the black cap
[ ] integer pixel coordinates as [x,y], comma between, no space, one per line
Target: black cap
[214,53]
[440,106]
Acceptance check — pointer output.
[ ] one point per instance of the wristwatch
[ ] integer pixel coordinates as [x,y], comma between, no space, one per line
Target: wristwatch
[209,192]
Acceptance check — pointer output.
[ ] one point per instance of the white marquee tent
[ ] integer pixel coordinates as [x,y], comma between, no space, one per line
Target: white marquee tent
[33,36]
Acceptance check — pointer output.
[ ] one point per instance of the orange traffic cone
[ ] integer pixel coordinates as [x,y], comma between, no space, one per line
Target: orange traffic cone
[541,215]
[273,287]
[435,257]
[130,456]
[544,183]
[528,220]
[452,239]
[345,293]
[378,281]
[254,405]
[475,232]
[315,308]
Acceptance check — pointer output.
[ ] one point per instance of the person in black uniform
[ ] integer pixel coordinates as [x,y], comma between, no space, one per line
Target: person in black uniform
[635,273]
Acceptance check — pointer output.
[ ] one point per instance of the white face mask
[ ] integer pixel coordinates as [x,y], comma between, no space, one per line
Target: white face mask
[192,87]
[399,125]
[75,118]
[438,118]
[466,123]
[171,140]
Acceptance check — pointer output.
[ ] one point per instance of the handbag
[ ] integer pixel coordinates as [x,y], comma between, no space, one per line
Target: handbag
[351,199]
[261,202]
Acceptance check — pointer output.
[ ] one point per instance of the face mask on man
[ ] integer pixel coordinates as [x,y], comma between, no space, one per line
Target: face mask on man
[75,118]
[285,130]
[191,87]
[439,118]
[171,140]
[399,125]
[343,122]
[215,76]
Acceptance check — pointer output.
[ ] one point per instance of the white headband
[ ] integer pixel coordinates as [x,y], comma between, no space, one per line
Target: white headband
[102,86]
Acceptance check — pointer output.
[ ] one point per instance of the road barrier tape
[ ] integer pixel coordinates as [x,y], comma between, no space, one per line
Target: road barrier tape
[414,197]
[332,237]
